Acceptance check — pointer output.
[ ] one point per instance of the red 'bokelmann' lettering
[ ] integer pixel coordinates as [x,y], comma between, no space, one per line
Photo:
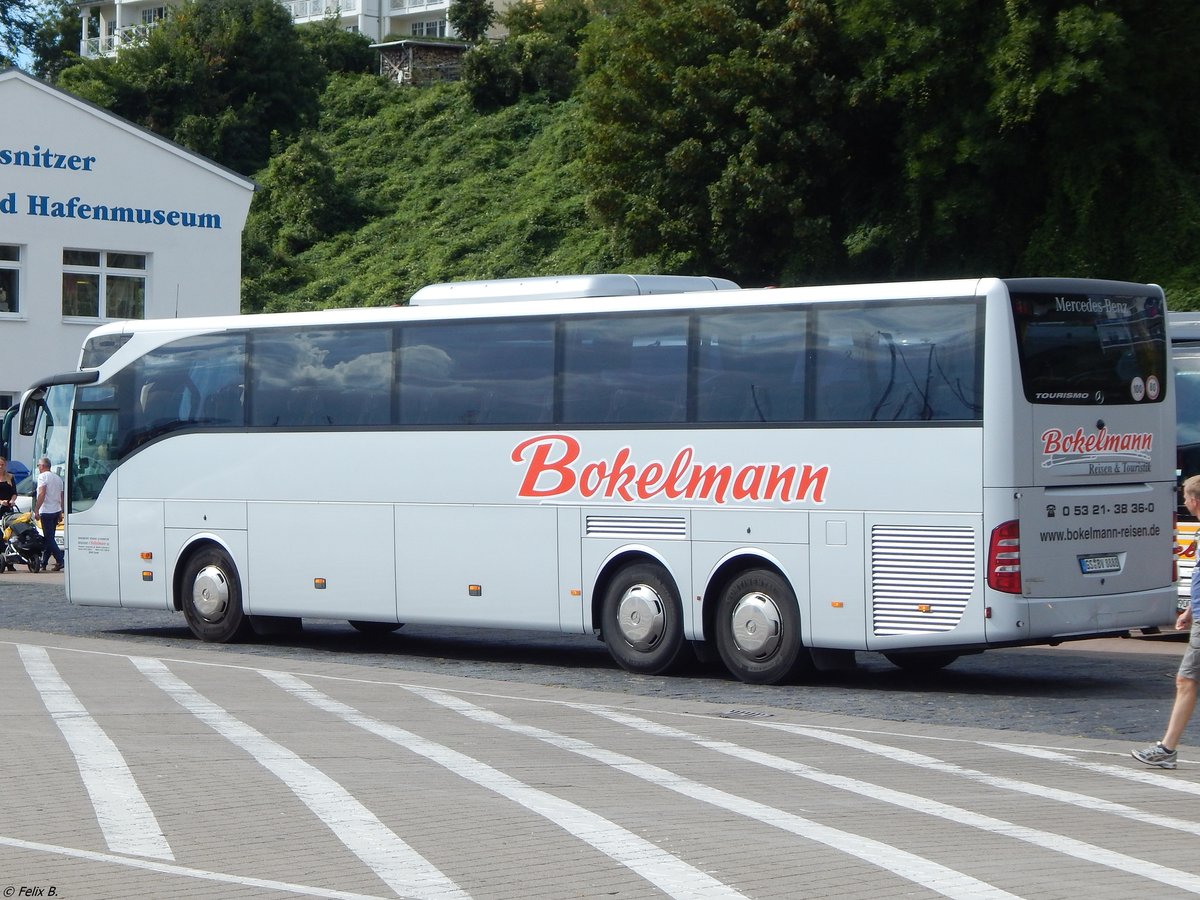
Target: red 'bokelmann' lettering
[1080,441]
[553,469]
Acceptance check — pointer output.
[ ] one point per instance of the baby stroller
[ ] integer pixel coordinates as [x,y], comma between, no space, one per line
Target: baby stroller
[22,543]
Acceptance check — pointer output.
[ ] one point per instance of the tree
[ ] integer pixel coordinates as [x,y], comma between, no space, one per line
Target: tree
[226,78]
[55,41]
[471,19]
[537,56]
[563,20]
[337,49]
[714,134]
[1058,138]
[867,139]
[17,26]
[299,201]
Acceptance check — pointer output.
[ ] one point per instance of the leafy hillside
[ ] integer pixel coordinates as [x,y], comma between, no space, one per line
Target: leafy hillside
[770,142]
[400,187]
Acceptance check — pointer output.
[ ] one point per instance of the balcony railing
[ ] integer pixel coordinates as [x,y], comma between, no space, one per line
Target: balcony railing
[402,6]
[129,36]
[318,9]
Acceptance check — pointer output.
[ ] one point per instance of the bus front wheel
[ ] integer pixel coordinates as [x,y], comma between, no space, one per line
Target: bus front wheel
[758,629]
[642,620]
[212,597]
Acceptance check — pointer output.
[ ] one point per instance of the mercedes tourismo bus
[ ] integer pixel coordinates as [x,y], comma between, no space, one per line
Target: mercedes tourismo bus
[922,470]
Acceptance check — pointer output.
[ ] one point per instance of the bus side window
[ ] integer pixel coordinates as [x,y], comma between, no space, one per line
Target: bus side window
[159,405]
[751,367]
[224,406]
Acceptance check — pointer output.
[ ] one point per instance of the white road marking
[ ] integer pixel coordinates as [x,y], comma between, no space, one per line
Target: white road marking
[403,869]
[1047,752]
[124,816]
[928,874]
[668,873]
[1140,775]
[185,871]
[1045,839]
[1072,798]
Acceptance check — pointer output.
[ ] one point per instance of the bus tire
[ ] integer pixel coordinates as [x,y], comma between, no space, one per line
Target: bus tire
[642,620]
[212,597]
[375,628]
[924,661]
[758,629]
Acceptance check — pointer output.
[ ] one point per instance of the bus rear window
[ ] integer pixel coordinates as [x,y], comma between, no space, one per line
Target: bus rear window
[1091,348]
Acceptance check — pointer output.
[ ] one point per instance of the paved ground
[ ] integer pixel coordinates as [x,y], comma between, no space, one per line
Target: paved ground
[1120,688]
[144,764]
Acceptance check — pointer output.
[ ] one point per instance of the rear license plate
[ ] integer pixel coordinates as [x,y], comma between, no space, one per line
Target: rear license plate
[1090,565]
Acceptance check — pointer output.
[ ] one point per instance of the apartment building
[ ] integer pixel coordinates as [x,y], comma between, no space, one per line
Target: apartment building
[110,25]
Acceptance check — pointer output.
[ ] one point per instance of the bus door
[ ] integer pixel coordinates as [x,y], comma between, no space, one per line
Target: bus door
[573,615]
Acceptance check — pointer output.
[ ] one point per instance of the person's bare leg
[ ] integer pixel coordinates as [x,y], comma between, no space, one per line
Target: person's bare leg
[1181,712]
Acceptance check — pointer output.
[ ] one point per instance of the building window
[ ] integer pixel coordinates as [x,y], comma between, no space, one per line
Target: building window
[153,15]
[102,284]
[435,28]
[10,278]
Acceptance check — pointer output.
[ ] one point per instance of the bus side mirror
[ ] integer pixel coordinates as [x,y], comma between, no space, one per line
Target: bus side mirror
[31,405]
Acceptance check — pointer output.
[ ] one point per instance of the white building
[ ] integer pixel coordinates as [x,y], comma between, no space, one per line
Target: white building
[101,220]
[112,24]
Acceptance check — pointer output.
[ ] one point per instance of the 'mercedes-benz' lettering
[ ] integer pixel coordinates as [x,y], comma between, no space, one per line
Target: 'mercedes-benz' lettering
[1106,306]
[553,469]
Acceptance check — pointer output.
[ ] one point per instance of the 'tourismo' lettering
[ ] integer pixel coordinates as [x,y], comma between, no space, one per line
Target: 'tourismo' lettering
[553,469]
[1055,441]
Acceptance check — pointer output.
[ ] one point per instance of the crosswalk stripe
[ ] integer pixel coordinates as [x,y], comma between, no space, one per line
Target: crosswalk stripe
[1141,776]
[125,818]
[403,869]
[925,872]
[669,873]
[146,865]
[1048,840]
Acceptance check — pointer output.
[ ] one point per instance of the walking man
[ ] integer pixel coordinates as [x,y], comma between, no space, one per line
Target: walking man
[48,507]
[1165,753]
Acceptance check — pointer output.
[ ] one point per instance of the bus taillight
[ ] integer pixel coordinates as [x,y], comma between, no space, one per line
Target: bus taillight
[1175,555]
[1004,558]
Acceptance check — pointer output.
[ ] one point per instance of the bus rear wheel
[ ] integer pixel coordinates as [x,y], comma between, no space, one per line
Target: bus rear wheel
[642,620]
[212,597]
[758,629]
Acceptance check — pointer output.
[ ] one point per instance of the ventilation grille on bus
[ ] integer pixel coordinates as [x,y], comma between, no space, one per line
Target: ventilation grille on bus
[921,577]
[636,527]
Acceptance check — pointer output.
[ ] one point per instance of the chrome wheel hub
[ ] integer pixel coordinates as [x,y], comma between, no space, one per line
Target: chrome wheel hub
[641,617]
[210,593]
[757,626]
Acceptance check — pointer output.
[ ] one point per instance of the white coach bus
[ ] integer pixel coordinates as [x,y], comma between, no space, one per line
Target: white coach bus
[921,470]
